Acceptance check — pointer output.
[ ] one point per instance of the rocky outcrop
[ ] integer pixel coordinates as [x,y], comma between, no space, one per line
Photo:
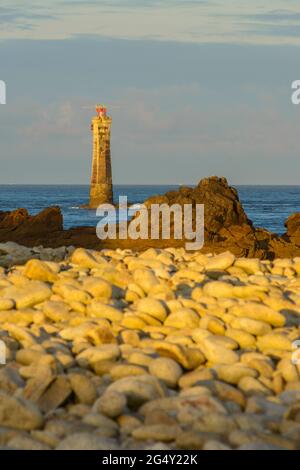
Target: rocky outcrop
[292,225]
[19,226]
[226,224]
[227,227]
[44,228]
[223,208]
[21,223]
[12,220]
[224,214]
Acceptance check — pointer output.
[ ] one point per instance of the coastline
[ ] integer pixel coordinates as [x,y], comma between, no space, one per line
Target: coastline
[227,226]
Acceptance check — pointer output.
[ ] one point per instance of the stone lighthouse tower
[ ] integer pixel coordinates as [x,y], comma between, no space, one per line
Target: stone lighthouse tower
[101,178]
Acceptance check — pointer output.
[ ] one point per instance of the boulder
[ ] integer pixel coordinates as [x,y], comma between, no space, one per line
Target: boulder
[292,225]
[29,230]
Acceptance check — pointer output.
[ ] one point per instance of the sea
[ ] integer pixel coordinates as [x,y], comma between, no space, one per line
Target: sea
[266,206]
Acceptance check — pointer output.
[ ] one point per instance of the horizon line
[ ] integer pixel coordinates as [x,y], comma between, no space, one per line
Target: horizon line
[150,184]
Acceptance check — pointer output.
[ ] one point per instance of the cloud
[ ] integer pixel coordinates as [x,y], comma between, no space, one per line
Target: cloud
[276,16]
[188,127]
[52,121]
[137,3]
[220,21]
[20,18]
[284,24]
[279,31]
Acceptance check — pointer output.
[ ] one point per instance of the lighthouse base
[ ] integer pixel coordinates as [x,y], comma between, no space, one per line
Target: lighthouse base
[100,194]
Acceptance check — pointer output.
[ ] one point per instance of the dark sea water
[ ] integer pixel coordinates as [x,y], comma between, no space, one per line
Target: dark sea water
[266,206]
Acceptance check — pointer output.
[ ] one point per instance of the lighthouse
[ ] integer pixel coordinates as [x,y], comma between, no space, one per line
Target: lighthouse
[101,178]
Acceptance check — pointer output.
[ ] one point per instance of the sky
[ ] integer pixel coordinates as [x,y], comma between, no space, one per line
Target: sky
[195,88]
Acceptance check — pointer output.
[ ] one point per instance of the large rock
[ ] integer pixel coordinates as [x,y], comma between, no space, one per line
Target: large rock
[86,441]
[226,225]
[48,220]
[222,206]
[11,220]
[292,225]
[19,413]
[21,227]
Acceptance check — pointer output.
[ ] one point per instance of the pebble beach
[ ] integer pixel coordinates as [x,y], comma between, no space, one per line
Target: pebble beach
[162,349]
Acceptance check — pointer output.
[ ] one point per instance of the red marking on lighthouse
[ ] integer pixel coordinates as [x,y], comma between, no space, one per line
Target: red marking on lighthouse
[101,110]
